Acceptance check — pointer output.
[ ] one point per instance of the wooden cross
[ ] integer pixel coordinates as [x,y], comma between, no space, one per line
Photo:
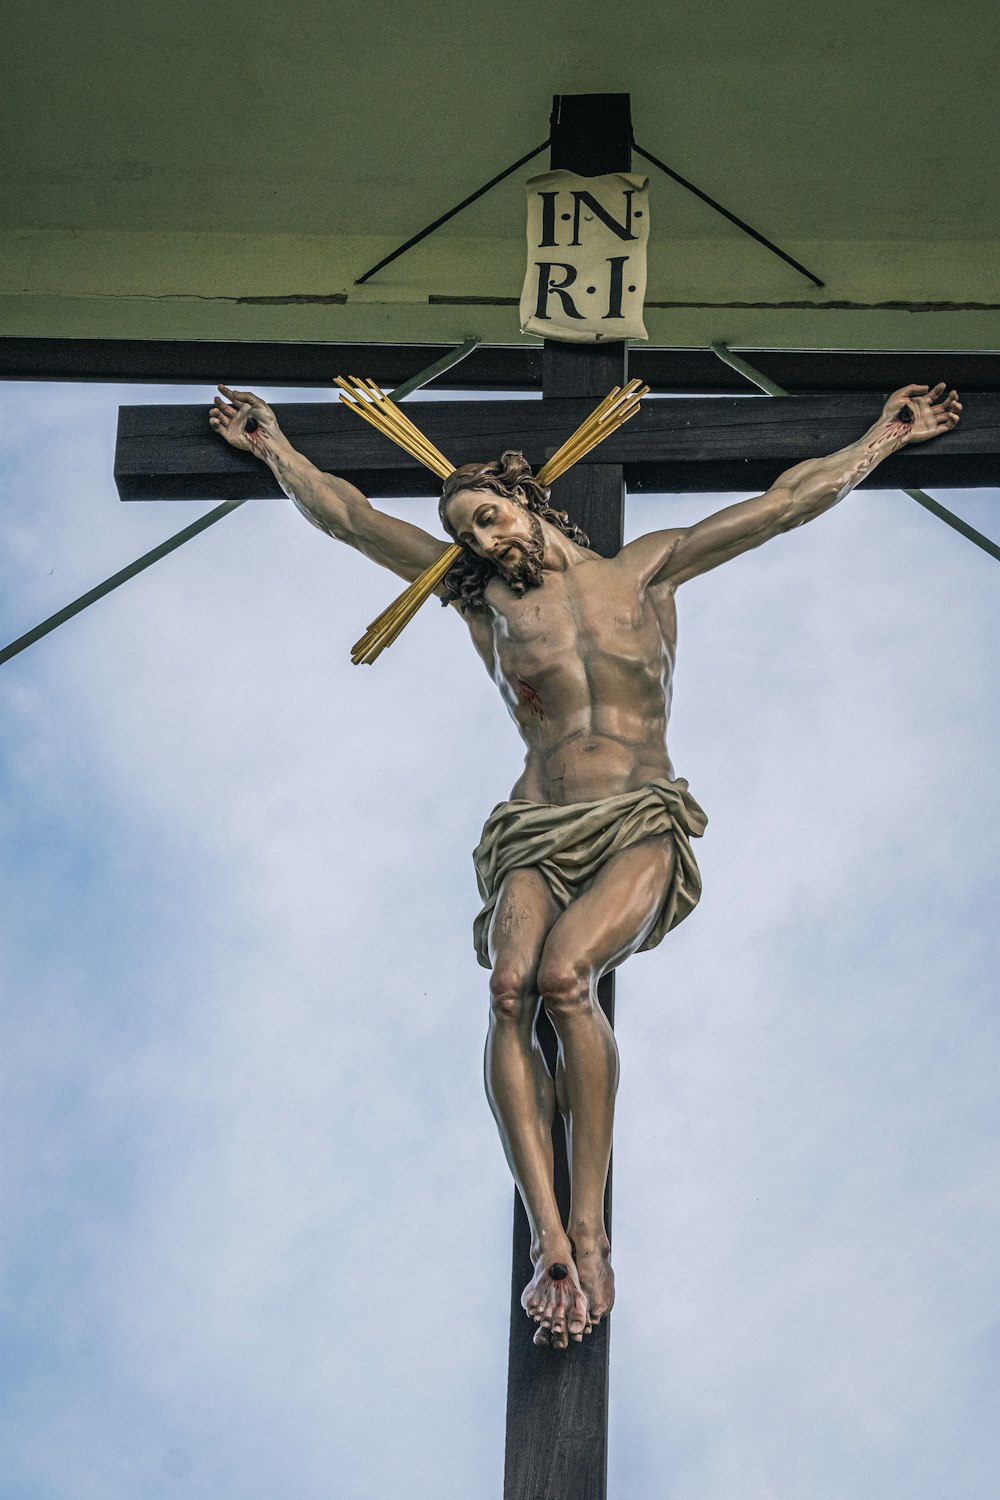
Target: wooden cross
[557,1402]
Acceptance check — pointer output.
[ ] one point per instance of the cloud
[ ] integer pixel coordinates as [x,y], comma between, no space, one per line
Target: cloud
[261,1215]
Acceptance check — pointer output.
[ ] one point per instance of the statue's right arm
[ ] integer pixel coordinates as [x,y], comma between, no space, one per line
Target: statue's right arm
[333,505]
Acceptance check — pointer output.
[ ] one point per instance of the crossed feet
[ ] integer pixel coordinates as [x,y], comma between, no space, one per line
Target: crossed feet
[572,1289]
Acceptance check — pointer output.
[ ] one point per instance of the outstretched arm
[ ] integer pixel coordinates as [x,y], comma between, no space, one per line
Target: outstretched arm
[336,507]
[911,415]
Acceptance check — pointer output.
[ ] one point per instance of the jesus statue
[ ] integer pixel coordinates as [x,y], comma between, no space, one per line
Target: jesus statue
[590,859]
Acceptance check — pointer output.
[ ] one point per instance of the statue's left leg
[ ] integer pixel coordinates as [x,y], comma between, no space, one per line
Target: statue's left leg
[594,934]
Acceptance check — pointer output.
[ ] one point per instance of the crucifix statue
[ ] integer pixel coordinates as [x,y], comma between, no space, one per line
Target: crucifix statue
[590,859]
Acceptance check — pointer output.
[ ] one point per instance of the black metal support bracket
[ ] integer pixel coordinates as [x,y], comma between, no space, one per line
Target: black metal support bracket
[733,219]
[444,218]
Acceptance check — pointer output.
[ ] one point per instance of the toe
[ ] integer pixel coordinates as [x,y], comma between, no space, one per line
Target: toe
[541,1337]
[533,1297]
[578,1317]
[558,1328]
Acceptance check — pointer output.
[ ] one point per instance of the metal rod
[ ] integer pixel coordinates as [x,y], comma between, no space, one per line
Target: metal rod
[955,522]
[422,235]
[445,363]
[756,377]
[765,383]
[164,549]
[740,223]
[117,579]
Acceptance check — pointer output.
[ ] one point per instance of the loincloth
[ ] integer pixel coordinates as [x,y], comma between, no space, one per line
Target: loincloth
[570,844]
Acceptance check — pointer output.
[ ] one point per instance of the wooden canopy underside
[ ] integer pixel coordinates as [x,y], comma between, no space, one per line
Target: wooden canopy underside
[167,176]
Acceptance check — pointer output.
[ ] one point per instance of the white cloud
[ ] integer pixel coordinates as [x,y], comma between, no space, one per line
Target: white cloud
[261,1213]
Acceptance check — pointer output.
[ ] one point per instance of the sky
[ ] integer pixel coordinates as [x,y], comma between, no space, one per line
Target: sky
[256,1216]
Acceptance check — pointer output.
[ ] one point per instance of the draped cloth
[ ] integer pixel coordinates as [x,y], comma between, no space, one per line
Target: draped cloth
[571,843]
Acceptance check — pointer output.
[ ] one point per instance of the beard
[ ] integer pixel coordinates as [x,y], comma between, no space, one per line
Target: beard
[521,568]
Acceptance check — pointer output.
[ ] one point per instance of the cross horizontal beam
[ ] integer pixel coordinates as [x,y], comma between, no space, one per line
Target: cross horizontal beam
[688,444]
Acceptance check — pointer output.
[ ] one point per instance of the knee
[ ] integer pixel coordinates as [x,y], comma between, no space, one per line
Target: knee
[565,987]
[512,993]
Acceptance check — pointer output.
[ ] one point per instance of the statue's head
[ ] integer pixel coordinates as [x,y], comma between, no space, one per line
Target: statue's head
[496,512]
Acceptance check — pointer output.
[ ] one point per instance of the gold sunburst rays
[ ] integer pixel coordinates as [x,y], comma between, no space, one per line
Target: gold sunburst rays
[383,631]
[616,409]
[371,402]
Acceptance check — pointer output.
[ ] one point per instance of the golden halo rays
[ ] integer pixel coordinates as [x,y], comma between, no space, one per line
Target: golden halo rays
[369,401]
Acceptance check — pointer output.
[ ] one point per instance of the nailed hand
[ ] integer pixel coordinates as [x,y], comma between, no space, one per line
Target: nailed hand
[917,413]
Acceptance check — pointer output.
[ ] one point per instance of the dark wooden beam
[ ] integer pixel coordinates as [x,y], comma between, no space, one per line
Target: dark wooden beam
[557,1401]
[493,367]
[505,367]
[678,445]
[591,134]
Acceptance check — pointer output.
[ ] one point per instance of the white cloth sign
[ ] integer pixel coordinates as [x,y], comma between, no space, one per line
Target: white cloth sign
[586,276]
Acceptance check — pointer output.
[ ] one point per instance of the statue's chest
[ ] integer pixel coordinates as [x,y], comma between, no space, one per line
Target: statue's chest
[569,618]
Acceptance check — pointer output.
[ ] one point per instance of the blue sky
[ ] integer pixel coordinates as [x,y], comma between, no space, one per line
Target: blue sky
[247,1160]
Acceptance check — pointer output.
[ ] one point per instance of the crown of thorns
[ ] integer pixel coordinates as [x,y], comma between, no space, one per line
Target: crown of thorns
[371,402]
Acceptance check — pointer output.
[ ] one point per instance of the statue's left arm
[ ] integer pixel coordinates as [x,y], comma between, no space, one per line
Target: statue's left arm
[911,415]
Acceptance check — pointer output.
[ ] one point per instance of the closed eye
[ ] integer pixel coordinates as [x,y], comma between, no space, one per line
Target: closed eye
[483,517]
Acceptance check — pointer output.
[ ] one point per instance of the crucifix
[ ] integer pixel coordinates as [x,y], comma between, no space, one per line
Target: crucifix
[557,1396]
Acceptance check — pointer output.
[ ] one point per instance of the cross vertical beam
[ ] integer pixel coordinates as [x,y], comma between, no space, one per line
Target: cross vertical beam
[557,1401]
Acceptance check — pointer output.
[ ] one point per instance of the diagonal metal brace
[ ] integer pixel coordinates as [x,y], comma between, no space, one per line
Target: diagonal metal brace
[754,234]
[472,198]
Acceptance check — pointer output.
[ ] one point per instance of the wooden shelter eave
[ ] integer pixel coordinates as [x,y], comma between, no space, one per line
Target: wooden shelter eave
[491,367]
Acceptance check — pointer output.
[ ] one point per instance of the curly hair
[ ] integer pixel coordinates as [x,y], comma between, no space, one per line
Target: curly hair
[511,477]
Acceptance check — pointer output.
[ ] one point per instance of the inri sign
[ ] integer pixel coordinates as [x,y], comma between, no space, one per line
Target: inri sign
[586,276]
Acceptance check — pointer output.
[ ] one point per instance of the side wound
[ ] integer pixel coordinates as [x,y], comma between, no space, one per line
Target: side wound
[528,695]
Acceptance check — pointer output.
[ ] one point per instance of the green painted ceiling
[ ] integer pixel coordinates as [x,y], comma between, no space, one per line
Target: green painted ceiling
[161,165]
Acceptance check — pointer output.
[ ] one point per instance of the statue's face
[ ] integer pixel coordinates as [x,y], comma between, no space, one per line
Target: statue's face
[504,532]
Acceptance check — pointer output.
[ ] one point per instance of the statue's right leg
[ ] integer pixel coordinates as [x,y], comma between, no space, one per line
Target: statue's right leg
[522,1097]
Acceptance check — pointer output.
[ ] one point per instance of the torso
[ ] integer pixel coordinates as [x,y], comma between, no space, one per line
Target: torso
[584,664]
